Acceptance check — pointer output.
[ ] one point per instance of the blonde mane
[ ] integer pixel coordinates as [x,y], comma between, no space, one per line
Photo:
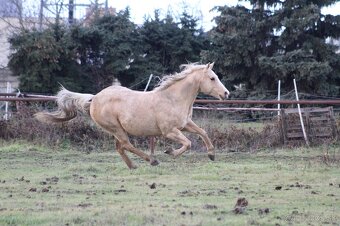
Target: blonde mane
[186,69]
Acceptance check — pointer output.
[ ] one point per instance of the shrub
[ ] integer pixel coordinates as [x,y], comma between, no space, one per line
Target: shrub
[82,134]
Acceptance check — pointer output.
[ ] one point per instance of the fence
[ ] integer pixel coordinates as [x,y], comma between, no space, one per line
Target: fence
[319,123]
[210,105]
[43,98]
[200,104]
[5,105]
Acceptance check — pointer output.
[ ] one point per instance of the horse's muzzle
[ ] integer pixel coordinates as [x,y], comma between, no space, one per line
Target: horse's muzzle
[226,94]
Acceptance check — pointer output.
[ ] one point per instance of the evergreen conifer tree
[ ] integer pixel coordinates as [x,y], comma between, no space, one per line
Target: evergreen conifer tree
[278,40]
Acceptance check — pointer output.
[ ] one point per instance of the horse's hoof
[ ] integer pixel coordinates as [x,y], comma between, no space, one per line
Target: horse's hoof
[211,157]
[169,152]
[132,167]
[154,162]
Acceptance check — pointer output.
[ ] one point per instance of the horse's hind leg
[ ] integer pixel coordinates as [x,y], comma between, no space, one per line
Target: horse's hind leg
[123,139]
[119,147]
[123,144]
[128,146]
[124,156]
[152,144]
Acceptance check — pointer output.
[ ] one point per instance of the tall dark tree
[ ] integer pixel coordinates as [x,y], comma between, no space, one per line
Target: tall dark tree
[88,42]
[170,43]
[41,59]
[261,45]
[109,48]
[122,48]
[88,58]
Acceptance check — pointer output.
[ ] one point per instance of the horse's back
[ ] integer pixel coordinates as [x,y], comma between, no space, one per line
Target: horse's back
[120,106]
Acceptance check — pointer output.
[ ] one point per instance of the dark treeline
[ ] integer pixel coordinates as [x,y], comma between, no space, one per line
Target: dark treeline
[254,47]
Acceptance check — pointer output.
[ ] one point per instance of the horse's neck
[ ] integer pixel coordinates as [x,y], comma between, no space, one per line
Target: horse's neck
[185,91]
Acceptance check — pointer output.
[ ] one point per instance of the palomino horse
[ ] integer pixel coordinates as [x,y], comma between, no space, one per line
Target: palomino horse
[165,111]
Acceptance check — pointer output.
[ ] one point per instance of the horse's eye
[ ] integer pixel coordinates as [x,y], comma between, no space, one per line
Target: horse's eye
[212,79]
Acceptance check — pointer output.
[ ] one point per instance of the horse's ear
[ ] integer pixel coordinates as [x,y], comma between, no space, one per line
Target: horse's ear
[210,65]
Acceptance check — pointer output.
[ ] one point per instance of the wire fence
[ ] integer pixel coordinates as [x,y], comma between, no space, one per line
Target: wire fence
[236,109]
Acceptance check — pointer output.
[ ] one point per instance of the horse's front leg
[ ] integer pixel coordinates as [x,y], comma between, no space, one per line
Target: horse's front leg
[191,127]
[176,135]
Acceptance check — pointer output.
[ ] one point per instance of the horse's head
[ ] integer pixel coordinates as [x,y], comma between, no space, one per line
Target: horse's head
[211,85]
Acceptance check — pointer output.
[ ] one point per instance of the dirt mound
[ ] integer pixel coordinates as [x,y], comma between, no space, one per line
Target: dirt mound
[240,206]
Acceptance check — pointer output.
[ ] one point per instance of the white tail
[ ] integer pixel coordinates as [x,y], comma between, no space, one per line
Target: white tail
[69,103]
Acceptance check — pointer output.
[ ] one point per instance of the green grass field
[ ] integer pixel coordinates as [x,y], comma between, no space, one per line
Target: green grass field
[40,186]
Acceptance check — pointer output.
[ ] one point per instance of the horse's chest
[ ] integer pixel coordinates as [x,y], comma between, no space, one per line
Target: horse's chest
[171,121]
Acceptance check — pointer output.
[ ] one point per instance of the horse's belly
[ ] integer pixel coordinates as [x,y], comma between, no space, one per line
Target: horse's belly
[140,127]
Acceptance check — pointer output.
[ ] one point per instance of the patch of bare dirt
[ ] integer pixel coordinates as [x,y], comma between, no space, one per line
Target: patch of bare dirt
[240,206]
[85,205]
[32,190]
[152,186]
[299,185]
[119,191]
[45,190]
[21,179]
[50,180]
[279,187]
[209,206]
[187,193]
[263,211]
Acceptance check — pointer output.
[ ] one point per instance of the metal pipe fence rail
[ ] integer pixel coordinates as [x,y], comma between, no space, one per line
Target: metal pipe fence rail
[43,98]
[25,97]
[231,109]
[328,102]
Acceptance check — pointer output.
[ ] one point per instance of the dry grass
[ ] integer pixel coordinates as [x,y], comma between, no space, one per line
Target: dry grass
[82,134]
[85,135]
